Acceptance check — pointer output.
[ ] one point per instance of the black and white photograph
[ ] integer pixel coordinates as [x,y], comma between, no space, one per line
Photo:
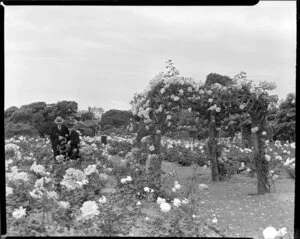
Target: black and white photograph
[150,121]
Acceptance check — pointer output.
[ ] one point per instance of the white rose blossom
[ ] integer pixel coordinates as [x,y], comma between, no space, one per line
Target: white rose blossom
[254,130]
[89,209]
[160,200]
[165,207]
[185,201]
[203,186]
[8,190]
[19,213]
[125,180]
[177,185]
[90,169]
[64,204]
[270,233]
[268,158]
[176,202]
[282,232]
[102,199]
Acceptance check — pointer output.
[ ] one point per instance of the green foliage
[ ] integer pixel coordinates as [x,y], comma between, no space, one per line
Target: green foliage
[12,129]
[87,116]
[85,131]
[9,111]
[112,130]
[45,128]
[213,78]
[116,146]
[179,134]
[284,128]
[88,127]
[189,126]
[120,213]
[39,115]
[107,127]
[290,171]
[66,108]
[116,118]
[183,156]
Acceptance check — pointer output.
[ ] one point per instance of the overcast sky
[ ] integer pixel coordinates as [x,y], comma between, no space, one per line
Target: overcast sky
[102,55]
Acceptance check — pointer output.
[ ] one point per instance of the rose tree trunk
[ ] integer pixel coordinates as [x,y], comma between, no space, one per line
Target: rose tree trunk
[154,161]
[212,150]
[261,164]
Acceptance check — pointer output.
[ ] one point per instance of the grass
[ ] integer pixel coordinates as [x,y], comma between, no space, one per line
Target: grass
[234,202]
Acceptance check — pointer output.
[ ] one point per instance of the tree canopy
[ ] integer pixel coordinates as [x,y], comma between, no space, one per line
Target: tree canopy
[116,118]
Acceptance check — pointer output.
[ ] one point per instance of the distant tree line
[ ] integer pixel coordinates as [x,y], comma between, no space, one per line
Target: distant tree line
[37,118]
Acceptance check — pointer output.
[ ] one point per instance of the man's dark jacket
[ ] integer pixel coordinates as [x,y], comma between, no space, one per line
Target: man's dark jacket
[74,137]
[75,141]
[54,136]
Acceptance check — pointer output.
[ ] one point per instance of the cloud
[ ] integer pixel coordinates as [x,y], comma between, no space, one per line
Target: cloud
[104,54]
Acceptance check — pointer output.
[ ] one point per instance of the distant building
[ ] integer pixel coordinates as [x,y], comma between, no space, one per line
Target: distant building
[98,112]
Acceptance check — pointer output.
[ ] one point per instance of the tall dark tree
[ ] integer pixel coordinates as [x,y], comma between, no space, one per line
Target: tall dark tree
[116,118]
[66,108]
[213,78]
[285,127]
[29,113]
[9,111]
[40,115]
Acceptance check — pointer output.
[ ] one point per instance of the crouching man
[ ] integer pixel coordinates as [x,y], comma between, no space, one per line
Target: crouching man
[73,142]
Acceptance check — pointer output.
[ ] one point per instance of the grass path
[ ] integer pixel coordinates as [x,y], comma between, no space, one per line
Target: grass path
[239,211]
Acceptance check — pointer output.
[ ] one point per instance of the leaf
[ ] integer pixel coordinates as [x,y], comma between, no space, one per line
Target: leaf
[130,208]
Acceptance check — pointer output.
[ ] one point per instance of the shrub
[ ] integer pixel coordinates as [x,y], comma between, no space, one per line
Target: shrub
[180,134]
[9,111]
[183,156]
[286,120]
[87,128]
[228,168]
[231,154]
[290,171]
[45,128]
[115,146]
[213,78]
[12,129]
[108,126]
[116,118]
[87,115]
[116,131]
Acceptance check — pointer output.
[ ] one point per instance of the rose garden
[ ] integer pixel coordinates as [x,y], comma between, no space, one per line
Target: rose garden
[227,178]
